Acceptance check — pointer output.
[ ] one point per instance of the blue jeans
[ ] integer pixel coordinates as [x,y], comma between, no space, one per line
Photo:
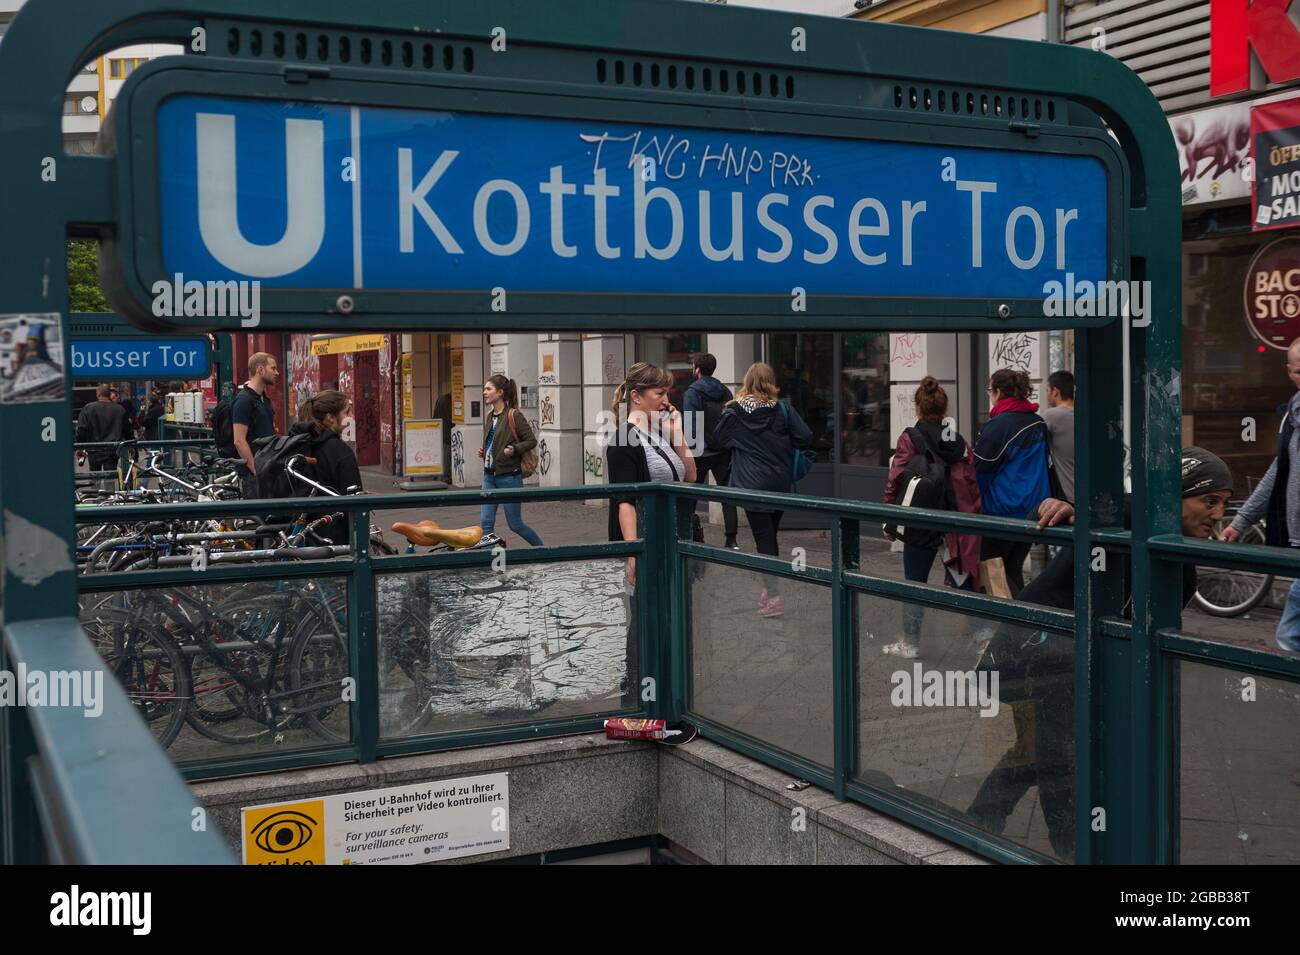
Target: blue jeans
[1288,628]
[917,562]
[487,516]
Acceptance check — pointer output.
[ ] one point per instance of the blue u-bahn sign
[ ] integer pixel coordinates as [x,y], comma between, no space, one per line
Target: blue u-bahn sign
[115,359]
[310,196]
[265,202]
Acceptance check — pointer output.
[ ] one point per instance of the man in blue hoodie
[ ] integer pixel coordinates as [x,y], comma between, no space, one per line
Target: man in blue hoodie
[702,407]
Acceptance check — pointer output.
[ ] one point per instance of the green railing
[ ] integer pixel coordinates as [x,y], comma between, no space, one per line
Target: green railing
[817,709]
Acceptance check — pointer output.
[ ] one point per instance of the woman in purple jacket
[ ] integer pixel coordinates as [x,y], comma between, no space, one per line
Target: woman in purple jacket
[961,552]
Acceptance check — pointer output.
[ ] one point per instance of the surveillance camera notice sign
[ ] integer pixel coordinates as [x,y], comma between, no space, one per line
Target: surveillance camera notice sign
[405,825]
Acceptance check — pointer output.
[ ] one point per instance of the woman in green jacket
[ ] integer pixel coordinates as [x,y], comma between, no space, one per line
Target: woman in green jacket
[507,437]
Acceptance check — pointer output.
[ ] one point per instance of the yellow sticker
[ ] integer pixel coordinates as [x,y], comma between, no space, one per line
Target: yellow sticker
[287,833]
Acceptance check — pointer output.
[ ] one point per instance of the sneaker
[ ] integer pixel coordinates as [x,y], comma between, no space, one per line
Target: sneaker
[731,543]
[900,649]
[775,608]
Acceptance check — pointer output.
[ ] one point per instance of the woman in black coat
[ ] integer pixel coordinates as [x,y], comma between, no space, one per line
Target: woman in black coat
[763,434]
[323,416]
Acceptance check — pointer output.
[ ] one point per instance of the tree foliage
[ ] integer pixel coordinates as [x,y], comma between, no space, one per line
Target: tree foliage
[84,291]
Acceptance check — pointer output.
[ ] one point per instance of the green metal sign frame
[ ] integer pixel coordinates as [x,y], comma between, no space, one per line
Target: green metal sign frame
[847,77]
[131,268]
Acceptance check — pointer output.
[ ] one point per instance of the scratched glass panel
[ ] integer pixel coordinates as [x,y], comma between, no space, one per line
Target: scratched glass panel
[473,648]
[230,670]
[761,657]
[1238,766]
[984,736]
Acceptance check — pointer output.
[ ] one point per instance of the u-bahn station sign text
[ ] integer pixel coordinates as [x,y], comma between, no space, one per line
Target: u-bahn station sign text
[317,196]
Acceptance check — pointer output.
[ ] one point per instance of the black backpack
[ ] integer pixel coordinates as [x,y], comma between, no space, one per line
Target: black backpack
[712,415]
[270,458]
[223,427]
[924,483]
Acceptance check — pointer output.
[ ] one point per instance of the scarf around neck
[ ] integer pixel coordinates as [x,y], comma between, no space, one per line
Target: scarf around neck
[1013,404]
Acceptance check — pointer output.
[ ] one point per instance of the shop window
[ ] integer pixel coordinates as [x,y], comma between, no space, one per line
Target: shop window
[1230,377]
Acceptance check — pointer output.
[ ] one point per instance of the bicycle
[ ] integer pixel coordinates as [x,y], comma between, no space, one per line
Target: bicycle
[1222,592]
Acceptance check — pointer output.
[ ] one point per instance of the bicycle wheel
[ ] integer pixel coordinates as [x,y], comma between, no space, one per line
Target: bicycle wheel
[318,665]
[149,667]
[1222,592]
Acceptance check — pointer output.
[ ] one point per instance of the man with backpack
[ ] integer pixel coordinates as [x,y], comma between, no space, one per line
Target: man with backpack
[237,423]
[702,405]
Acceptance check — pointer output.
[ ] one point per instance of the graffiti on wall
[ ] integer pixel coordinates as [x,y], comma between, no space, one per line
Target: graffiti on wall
[304,372]
[613,373]
[907,350]
[593,464]
[1014,350]
[548,409]
[543,457]
[458,456]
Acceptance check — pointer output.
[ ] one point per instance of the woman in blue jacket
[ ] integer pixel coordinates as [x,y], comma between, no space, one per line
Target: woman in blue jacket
[1011,461]
[762,433]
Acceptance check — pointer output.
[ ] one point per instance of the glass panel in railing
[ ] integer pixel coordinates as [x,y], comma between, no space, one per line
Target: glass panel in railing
[970,718]
[1238,766]
[481,647]
[761,656]
[228,670]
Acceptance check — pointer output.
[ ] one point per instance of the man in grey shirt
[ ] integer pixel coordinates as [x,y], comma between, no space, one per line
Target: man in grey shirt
[1277,497]
[1059,416]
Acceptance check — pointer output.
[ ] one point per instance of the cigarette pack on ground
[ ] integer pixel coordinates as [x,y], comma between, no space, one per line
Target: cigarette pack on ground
[624,728]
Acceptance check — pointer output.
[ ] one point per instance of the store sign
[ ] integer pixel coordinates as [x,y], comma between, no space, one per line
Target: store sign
[1275,132]
[1213,153]
[1273,293]
[438,201]
[346,344]
[1239,28]
[402,825]
[422,447]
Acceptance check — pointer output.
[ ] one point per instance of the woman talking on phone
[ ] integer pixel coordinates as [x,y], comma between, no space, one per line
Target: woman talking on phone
[648,445]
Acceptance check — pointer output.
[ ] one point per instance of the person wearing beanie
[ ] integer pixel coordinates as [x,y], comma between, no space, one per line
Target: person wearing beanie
[1038,668]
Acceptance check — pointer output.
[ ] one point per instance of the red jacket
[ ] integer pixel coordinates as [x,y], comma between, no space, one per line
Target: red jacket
[963,549]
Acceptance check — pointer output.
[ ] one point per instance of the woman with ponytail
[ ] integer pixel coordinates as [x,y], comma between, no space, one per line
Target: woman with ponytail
[646,445]
[323,416]
[507,437]
[961,552]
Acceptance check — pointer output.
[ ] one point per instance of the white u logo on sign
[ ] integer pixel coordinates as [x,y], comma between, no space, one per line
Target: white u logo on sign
[304,151]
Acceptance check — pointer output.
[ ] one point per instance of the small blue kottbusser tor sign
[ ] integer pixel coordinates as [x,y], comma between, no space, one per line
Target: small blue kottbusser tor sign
[307,196]
[118,358]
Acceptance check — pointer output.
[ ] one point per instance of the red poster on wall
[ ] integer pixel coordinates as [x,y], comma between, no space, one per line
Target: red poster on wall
[1275,141]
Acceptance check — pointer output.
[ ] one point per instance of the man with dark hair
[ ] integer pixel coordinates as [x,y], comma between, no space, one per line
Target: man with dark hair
[702,406]
[102,420]
[251,413]
[1059,415]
